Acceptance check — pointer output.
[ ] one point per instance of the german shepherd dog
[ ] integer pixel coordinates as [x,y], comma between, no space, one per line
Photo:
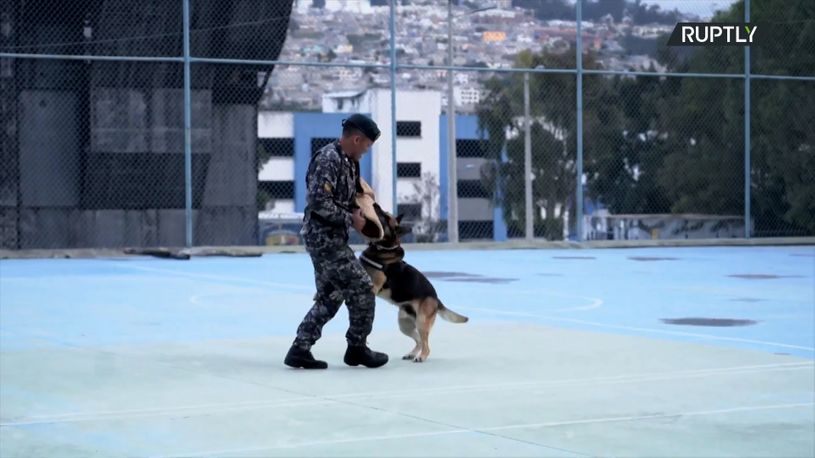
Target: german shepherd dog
[404,286]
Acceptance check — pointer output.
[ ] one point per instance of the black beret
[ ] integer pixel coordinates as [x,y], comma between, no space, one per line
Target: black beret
[364,124]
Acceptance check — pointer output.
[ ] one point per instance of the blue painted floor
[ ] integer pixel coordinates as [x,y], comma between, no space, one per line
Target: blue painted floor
[620,291]
[567,353]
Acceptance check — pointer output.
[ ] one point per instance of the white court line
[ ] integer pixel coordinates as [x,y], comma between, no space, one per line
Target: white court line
[244,292]
[594,301]
[323,442]
[191,275]
[741,292]
[545,389]
[498,428]
[649,417]
[158,412]
[395,394]
[633,328]
[572,383]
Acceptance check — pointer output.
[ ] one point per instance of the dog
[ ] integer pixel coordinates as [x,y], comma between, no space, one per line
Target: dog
[404,286]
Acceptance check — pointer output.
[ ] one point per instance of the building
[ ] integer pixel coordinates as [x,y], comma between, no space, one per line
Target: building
[92,153]
[494,36]
[417,136]
[421,163]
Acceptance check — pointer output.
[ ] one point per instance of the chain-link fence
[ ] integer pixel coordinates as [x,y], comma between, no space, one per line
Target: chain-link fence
[191,122]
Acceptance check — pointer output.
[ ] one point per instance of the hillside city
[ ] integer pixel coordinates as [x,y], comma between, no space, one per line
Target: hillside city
[358,32]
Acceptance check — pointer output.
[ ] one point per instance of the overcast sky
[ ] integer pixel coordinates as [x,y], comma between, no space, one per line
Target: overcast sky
[704,8]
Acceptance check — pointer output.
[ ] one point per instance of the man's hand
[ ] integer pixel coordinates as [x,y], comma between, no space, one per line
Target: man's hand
[359,220]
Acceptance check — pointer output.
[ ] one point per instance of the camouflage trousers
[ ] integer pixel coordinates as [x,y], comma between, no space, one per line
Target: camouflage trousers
[339,277]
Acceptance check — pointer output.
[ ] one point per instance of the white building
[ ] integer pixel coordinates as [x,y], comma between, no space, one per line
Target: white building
[465,98]
[279,168]
[417,142]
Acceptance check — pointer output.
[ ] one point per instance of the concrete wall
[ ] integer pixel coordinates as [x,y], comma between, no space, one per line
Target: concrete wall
[228,211]
[92,152]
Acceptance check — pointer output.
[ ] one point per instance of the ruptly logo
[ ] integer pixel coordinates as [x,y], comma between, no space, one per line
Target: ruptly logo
[714,34]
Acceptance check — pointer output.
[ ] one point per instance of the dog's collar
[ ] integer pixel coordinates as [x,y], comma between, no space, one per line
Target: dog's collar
[371,262]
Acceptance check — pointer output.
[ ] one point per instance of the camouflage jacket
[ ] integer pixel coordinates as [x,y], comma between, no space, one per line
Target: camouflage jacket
[331,182]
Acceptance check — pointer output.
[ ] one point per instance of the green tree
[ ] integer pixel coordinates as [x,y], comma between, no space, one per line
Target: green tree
[666,144]
[783,137]
[704,121]
[552,132]
[622,145]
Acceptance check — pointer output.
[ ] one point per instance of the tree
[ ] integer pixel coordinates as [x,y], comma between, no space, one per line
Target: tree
[704,161]
[783,139]
[426,194]
[622,150]
[553,143]
[623,145]
[665,144]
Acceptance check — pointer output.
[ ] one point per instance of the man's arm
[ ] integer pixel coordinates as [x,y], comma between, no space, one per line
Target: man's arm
[322,186]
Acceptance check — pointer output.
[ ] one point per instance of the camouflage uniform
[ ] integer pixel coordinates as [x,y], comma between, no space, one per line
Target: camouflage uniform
[331,182]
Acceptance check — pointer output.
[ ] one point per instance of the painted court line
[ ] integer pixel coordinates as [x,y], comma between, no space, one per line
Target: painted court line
[569,382]
[215,408]
[537,387]
[501,428]
[594,302]
[127,414]
[633,328]
[697,413]
[197,276]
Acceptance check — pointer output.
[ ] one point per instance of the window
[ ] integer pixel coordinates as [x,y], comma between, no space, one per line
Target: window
[277,189]
[278,147]
[408,129]
[411,212]
[471,148]
[409,169]
[472,189]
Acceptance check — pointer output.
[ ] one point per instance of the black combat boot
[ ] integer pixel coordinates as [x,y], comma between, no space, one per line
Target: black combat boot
[356,355]
[300,357]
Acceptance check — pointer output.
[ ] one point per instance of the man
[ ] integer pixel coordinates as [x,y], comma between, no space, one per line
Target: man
[331,183]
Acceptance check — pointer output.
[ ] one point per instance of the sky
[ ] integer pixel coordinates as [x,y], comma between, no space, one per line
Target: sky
[704,8]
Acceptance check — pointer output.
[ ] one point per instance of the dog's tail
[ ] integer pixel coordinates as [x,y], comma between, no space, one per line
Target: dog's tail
[450,315]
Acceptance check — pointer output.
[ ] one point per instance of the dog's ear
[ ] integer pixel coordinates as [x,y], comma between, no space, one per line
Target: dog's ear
[404,229]
[399,219]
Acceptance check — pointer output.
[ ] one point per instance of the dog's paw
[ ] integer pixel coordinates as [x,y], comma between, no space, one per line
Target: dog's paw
[419,359]
[408,357]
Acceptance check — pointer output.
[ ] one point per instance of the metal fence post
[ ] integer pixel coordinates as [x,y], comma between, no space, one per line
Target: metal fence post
[394,167]
[747,180]
[579,115]
[530,227]
[452,173]
[187,128]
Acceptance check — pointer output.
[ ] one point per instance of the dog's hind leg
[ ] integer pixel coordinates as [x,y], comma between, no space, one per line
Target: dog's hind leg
[407,324]
[425,318]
